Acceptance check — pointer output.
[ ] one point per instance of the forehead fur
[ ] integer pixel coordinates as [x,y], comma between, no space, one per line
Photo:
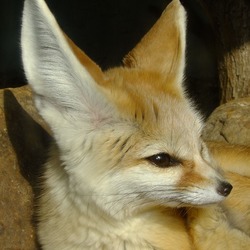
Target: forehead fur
[136,92]
[154,102]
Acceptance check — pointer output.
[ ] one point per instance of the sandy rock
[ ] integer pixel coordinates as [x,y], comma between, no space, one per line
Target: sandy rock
[230,123]
[22,150]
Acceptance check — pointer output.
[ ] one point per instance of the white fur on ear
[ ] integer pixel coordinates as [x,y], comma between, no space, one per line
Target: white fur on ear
[66,94]
[181,20]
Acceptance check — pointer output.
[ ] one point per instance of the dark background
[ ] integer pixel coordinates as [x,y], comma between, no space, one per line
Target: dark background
[107,29]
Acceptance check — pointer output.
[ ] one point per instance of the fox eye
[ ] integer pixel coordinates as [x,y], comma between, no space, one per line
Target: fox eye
[163,160]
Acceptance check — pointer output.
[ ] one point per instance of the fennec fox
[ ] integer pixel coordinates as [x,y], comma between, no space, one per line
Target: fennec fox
[128,157]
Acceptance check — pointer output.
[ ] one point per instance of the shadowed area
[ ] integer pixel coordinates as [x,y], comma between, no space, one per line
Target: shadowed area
[29,140]
[30,144]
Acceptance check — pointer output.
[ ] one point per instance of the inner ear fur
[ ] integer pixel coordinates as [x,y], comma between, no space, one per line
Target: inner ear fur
[94,70]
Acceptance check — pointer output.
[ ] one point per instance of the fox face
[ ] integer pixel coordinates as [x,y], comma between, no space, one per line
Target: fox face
[127,139]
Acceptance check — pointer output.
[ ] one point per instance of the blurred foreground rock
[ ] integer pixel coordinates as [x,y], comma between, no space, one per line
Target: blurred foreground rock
[22,145]
[230,123]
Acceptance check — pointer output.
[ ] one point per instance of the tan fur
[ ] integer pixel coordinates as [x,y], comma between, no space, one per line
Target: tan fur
[212,229]
[233,158]
[100,189]
[226,226]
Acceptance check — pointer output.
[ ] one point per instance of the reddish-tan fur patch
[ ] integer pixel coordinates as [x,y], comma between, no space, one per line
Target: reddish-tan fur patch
[190,176]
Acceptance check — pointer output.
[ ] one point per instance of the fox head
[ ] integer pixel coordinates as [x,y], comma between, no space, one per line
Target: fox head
[127,138]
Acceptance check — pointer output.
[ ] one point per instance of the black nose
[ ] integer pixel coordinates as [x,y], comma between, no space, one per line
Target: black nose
[224,188]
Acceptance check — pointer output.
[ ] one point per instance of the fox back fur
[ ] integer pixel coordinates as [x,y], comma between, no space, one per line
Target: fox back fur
[128,157]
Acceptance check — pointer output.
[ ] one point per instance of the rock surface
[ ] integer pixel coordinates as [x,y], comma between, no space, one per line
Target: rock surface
[22,145]
[230,123]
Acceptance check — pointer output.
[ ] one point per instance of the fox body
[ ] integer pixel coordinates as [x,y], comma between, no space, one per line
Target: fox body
[128,154]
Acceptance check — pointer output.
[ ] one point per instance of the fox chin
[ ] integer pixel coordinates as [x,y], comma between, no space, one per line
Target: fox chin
[128,156]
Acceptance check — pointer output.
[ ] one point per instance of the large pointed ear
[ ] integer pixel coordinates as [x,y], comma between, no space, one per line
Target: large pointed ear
[66,83]
[162,49]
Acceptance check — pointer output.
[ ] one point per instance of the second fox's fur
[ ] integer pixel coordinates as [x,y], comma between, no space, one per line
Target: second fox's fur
[128,152]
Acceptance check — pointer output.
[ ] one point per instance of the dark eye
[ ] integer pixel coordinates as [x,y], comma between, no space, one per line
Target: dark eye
[163,160]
